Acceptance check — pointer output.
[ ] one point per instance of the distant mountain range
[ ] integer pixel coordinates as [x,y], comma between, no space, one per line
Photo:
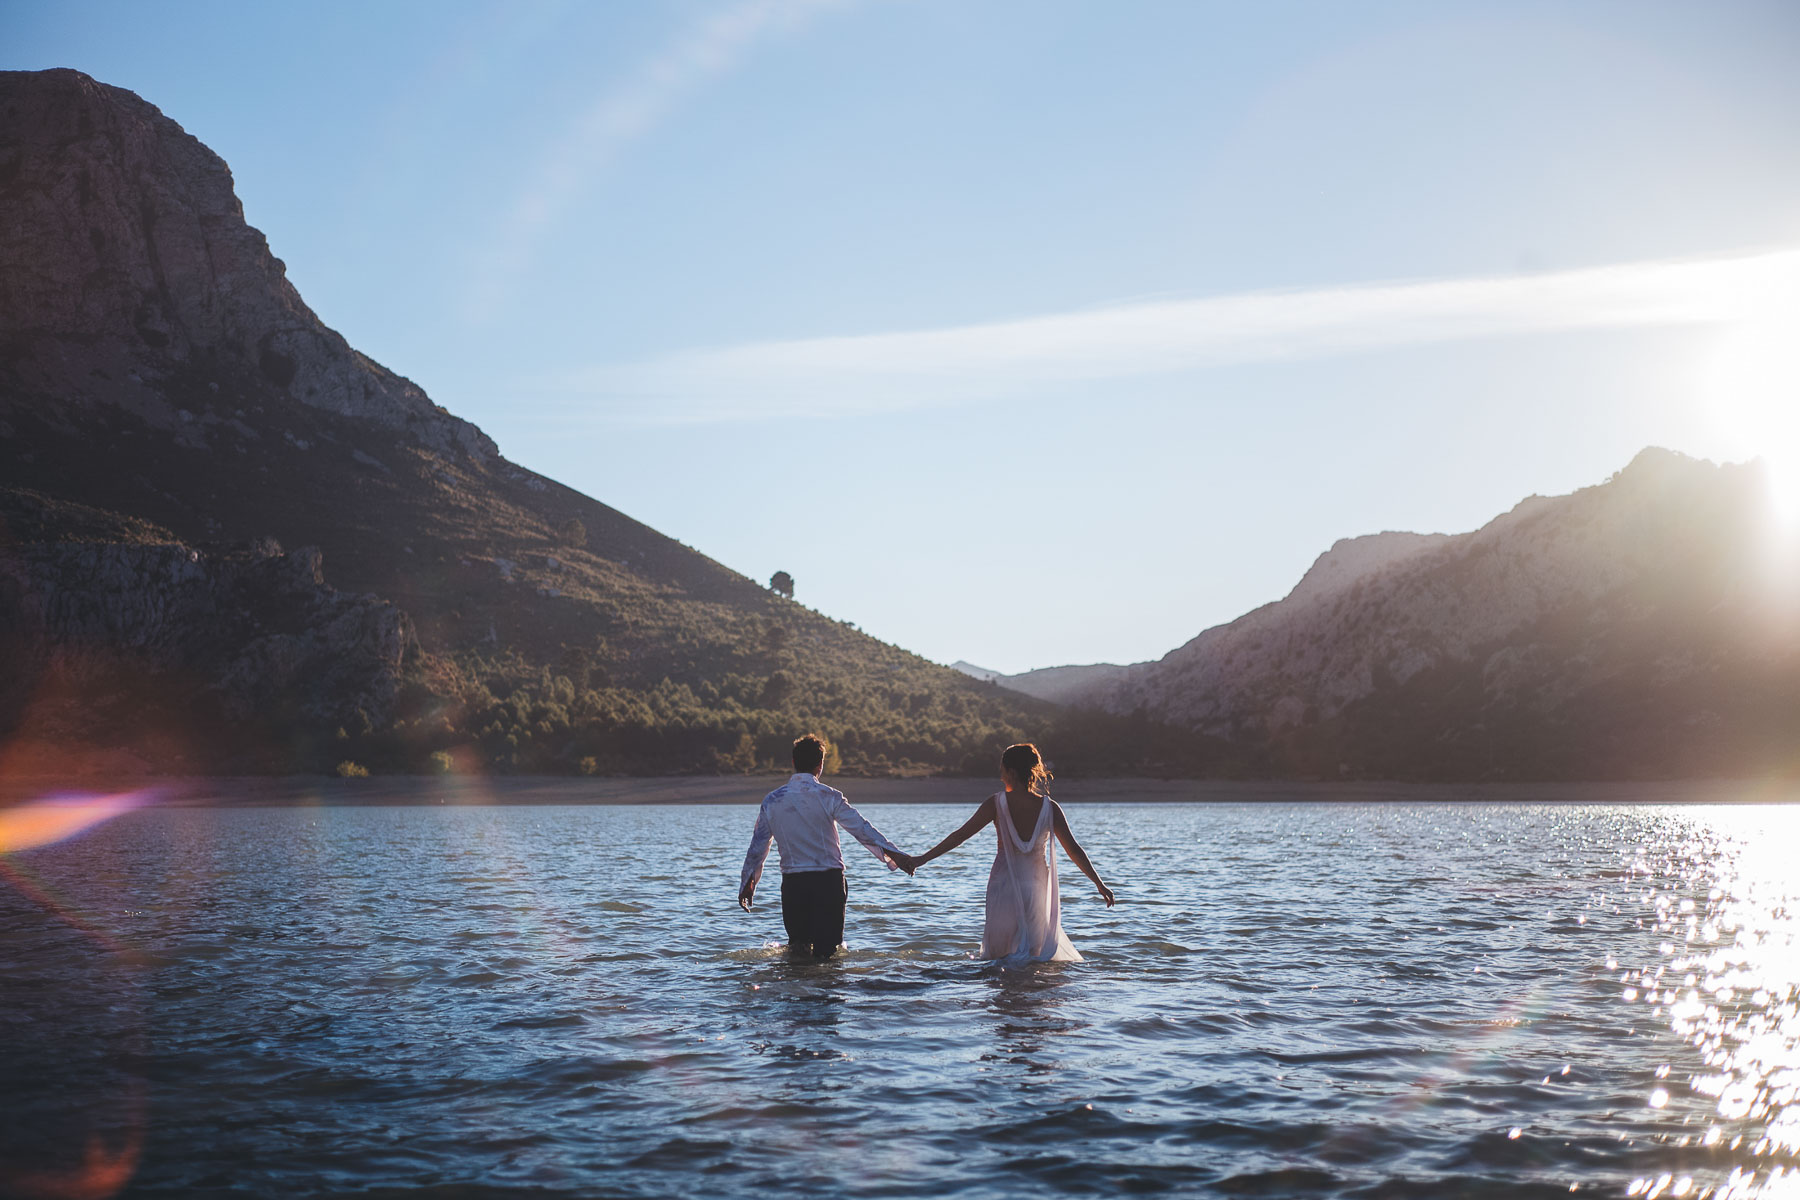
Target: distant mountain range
[1059,685]
[1646,626]
[188,455]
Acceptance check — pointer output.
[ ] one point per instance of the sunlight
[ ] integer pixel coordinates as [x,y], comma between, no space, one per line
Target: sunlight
[1753,390]
[1732,989]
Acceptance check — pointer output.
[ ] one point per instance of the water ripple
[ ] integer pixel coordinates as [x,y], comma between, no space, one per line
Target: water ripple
[1290,1000]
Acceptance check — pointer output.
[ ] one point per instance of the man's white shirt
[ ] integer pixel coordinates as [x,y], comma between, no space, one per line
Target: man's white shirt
[803,816]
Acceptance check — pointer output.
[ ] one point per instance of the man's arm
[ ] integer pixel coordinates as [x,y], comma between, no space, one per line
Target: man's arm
[858,827]
[753,861]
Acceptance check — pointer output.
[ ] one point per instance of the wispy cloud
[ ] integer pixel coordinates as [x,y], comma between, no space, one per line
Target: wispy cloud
[617,118]
[881,372]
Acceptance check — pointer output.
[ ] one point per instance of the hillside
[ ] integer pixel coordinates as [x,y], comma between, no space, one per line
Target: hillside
[1647,626]
[193,467]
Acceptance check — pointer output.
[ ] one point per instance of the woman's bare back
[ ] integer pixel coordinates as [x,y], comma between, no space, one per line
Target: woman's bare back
[1024,822]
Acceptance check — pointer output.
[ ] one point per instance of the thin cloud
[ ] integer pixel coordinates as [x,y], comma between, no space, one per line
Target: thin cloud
[884,372]
[615,120]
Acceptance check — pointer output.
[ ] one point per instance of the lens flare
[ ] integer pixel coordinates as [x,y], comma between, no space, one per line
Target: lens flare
[103,1172]
[58,818]
[109,1157]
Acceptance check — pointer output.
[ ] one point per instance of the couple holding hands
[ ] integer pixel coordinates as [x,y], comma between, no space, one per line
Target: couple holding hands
[1024,909]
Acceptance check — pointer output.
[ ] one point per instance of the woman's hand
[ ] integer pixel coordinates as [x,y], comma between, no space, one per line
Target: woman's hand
[1106,893]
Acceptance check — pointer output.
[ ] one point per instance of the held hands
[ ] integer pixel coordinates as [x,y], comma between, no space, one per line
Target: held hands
[906,862]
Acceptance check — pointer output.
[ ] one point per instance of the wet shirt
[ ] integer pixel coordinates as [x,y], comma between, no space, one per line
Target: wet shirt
[803,816]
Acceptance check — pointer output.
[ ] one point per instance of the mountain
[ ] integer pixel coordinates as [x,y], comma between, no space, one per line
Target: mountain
[1076,684]
[1646,626]
[1058,685]
[228,540]
[1348,562]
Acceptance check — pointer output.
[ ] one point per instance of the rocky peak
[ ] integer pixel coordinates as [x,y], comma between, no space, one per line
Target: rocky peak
[129,265]
[1353,559]
[1647,592]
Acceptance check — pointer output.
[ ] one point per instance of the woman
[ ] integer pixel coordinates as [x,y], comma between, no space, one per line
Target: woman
[1024,910]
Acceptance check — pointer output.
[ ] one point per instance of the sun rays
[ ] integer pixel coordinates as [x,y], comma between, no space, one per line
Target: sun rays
[1751,387]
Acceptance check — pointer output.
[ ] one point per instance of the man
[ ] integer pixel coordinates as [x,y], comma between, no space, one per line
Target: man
[803,816]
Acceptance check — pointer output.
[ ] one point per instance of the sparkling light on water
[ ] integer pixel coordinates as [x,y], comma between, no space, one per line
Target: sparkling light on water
[1727,902]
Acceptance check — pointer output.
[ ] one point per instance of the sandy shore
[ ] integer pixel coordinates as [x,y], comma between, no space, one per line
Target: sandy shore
[390,790]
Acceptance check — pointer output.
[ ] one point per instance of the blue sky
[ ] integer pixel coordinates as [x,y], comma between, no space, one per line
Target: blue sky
[1029,333]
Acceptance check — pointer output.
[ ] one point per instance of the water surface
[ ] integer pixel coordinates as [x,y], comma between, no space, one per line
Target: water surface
[1289,1000]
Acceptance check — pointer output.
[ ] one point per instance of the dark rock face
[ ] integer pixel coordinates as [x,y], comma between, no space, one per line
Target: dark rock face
[227,639]
[127,261]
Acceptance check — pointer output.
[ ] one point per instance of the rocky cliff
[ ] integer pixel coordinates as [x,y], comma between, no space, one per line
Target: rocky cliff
[129,266]
[115,627]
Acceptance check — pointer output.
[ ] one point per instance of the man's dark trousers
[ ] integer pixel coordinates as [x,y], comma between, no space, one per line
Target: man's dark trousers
[812,909]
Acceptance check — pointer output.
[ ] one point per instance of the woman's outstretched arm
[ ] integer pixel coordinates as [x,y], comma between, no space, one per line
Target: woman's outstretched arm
[982,816]
[1076,854]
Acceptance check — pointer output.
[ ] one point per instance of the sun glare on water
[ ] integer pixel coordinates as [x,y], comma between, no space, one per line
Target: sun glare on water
[1730,988]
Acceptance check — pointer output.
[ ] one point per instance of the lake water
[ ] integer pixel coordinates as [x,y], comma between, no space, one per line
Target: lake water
[1289,1000]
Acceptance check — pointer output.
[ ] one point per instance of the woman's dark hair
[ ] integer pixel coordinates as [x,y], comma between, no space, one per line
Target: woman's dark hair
[1023,762]
[809,754]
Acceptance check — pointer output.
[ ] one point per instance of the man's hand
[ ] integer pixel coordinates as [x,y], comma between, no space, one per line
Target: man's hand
[904,861]
[745,895]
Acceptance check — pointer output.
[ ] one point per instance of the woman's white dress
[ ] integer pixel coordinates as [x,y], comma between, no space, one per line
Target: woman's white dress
[1024,908]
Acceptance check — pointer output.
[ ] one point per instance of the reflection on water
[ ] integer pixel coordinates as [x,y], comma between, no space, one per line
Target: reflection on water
[1726,901]
[1023,1002]
[1293,1000]
[798,1002]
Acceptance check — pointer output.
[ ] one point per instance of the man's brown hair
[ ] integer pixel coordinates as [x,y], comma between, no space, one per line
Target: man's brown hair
[809,753]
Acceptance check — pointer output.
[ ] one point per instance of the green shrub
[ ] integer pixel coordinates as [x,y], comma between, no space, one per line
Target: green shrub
[350,770]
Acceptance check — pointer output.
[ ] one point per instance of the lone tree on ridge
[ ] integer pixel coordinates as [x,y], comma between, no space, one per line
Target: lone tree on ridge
[782,584]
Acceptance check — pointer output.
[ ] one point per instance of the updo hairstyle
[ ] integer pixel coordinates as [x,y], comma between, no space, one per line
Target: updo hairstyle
[1023,762]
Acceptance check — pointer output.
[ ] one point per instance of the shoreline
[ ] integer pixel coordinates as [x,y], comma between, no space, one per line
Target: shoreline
[415,790]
